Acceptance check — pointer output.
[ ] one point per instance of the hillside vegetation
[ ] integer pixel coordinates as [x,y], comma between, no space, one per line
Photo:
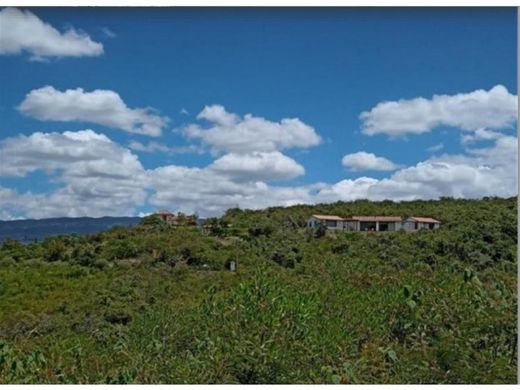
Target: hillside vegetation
[157,304]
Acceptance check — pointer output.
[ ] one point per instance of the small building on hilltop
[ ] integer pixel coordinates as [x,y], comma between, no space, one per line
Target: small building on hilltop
[166,216]
[377,223]
[180,219]
[332,222]
[418,223]
[364,223]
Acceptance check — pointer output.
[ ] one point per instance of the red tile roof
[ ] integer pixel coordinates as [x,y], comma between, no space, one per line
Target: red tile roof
[425,220]
[376,218]
[373,218]
[328,217]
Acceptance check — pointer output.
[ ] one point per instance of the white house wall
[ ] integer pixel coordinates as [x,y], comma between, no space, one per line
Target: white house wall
[407,225]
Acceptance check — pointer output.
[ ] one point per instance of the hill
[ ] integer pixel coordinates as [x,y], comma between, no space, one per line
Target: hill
[154,303]
[28,230]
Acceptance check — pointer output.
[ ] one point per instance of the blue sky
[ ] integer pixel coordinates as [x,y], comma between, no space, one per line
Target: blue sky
[322,67]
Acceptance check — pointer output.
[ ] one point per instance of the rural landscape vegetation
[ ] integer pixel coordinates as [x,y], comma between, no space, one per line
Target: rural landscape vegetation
[158,303]
[295,146]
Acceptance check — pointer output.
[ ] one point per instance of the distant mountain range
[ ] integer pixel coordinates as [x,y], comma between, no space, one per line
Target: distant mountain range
[28,230]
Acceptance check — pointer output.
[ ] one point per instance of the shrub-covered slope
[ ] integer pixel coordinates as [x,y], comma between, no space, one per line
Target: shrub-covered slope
[157,304]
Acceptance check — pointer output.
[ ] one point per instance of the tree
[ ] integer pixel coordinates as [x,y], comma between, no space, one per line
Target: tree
[320,231]
[152,220]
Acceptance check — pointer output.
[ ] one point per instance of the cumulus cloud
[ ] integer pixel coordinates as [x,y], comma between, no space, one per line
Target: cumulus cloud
[363,161]
[70,201]
[480,135]
[487,171]
[97,176]
[77,153]
[346,190]
[493,109]
[256,166]
[23,31]
[490,171]
[103,107]
[156,147]
[210,193]
[229,132]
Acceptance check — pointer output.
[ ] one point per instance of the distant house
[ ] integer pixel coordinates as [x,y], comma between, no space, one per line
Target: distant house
[330,221]
[179,219]
[377,223]
[166,216]
[362,223]
[418,223]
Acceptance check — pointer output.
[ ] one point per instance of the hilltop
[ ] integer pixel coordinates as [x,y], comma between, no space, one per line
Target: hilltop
[155,303]
[27,230]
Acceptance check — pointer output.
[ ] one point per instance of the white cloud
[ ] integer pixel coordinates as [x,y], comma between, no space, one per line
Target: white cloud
[153,147]
[150,147]
[435,148]
[210,193]
[24,31]
[195,189]
[96,176]
[346,190]
[363,161]
[72,152]
[490,171]
[88,190]
[493,109]
[103,107]
[109,33]
[480,135]
[232,133]
[257,166]
[71,201]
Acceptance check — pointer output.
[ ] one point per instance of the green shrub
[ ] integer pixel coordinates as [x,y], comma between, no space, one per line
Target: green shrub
[55,250]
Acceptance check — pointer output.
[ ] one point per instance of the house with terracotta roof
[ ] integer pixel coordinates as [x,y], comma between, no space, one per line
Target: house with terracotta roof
[366,223]
[332,222]
[418,223]
[179,219]
[377,223]
[166,216]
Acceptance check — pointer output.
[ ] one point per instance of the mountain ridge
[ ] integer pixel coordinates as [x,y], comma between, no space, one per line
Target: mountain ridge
[27,230]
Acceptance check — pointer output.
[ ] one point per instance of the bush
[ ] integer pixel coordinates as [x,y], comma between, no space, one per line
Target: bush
[320,231]
[152,220]
[121,249]
[55,250]
[261,230]
[396,307]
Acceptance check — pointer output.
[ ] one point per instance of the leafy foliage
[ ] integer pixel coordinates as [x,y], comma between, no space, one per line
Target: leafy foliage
[157,304]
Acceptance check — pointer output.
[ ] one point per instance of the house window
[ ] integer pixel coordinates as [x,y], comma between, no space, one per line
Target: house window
[330,223]
[367,226]
[416,225]
[431,226]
